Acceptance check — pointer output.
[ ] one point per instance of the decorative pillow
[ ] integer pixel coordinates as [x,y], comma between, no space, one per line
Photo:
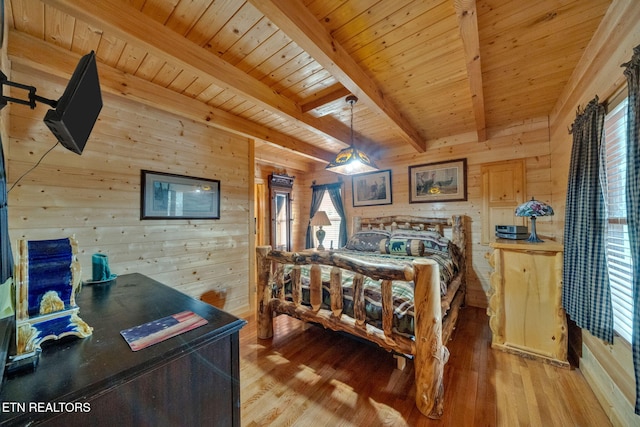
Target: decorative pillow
[432,240]
[367,240]
[402,247]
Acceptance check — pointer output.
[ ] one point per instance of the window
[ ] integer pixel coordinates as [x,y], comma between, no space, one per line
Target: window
[331,239]
[618,252]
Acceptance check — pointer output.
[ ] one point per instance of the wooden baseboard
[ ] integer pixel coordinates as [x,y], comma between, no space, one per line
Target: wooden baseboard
[615,404]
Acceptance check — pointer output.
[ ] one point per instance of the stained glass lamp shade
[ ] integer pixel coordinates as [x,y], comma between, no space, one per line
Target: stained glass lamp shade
[533,209]
[350,160]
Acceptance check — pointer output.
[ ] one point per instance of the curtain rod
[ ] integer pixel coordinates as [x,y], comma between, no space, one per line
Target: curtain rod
[320,186]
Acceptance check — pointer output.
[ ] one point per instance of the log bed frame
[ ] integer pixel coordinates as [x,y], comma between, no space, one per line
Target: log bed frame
[432,327]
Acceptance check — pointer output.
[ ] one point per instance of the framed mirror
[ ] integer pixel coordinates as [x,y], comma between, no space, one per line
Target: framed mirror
[280,188]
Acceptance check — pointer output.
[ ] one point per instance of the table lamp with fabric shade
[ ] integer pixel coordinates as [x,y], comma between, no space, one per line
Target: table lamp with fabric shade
[533,209]
[318,220]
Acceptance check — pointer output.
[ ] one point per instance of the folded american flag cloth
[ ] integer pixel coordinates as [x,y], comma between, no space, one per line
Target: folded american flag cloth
[150,333]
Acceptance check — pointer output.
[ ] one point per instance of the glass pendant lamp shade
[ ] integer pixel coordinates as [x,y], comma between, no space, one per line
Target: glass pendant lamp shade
[533,209]
[350,160]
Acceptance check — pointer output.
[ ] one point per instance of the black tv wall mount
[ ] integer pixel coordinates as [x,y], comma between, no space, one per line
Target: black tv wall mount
[32,97]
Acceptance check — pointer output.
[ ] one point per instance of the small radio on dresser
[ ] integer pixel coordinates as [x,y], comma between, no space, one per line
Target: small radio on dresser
[512,232]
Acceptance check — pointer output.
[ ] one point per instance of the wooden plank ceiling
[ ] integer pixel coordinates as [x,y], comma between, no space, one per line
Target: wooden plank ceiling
[279,70]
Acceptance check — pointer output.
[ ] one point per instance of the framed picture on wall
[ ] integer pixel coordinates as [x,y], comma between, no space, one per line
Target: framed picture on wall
[438,182]
[373,188]
[169,196]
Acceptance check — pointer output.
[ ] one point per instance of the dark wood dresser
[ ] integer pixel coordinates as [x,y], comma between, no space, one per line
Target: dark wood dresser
[188,380]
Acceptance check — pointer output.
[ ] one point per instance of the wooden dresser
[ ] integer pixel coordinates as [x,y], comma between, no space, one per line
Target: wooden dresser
[525,301]
[190,379]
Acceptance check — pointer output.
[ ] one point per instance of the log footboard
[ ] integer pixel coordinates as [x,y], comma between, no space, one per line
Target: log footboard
[434,315]
[427,349]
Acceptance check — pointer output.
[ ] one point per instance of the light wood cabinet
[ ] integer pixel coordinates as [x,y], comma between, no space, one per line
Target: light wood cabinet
[503,188]
[525,300]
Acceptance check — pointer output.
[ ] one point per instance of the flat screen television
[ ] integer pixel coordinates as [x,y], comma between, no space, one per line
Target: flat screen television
[77,110]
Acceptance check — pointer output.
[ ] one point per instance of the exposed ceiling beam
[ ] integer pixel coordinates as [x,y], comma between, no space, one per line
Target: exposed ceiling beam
[300,25]
[132,26]
[264,156]
[29,51]
[324,97]
[467,15]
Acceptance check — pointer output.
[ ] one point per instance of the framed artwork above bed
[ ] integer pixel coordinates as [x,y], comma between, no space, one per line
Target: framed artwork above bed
[372,188]
[438,182]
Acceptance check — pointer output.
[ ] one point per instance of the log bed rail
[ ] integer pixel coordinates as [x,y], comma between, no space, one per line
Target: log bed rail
[432,328]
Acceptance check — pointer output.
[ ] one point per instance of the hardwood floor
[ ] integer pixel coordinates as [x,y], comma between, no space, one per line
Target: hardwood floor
[321,378]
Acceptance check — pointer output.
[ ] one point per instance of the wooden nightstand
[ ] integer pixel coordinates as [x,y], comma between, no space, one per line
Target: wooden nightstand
[525,301]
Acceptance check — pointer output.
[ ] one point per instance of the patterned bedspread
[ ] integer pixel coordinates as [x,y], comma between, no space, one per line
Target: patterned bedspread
[402,290]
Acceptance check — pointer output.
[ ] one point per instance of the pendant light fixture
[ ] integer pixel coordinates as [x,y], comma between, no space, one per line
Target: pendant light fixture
[350,160]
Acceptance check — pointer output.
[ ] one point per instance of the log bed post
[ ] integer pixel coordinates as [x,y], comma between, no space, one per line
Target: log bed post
[359,311]
[315,287]
[387,307]
[335,292]
[296,285]
[430,353]
[264,315]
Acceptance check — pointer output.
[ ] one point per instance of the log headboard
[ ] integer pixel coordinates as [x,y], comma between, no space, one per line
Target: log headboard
[453,227]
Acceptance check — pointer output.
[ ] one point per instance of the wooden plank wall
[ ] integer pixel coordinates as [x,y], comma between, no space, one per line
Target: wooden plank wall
[96,196]
[607,368]
[529,141]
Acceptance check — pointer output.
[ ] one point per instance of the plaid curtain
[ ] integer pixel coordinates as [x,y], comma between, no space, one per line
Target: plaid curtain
[632,72]
[586,295]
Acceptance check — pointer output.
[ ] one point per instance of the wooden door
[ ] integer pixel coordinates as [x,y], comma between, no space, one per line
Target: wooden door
[280,189]
[260,197]
[503,189]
